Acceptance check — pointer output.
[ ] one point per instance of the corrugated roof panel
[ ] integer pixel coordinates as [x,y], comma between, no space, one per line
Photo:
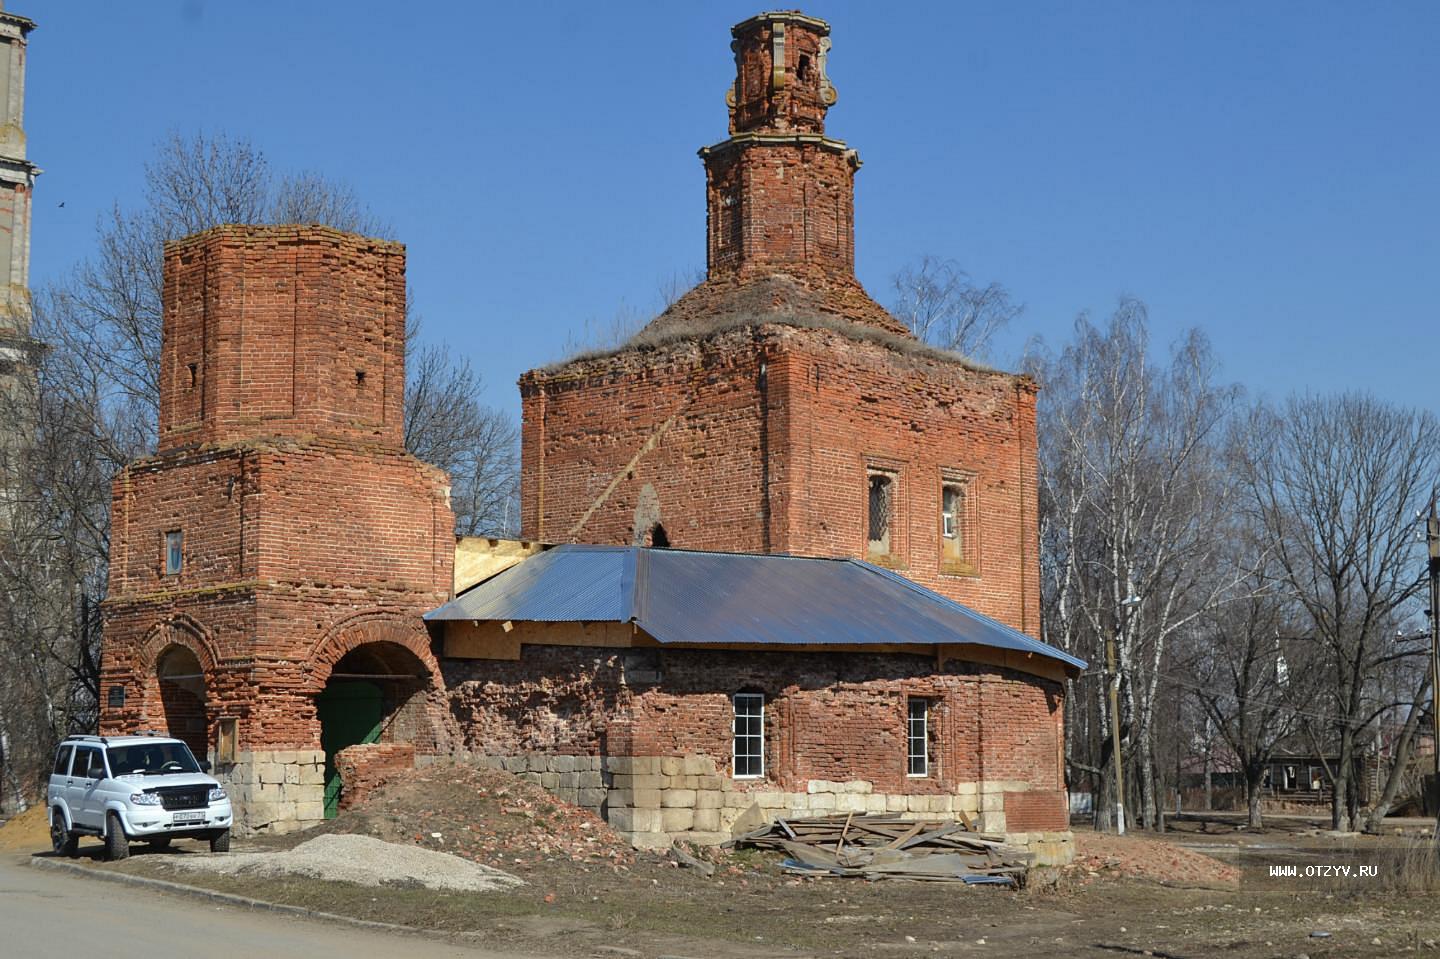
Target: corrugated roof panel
[681,596]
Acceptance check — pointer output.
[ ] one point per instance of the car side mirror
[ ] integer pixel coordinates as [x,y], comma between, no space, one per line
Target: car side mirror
[204,765]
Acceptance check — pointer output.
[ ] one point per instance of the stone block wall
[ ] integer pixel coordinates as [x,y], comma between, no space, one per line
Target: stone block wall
[275,791]
[577,780]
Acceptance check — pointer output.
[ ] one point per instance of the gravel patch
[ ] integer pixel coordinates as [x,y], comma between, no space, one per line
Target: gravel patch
[363,860]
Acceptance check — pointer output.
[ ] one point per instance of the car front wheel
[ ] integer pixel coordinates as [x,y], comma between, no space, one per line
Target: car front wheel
[62,840]
[220,842]
[116,845]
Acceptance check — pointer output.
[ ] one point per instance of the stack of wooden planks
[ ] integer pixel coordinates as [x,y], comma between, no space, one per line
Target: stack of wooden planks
[888,847]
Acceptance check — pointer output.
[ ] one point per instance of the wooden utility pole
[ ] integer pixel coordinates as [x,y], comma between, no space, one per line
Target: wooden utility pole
[1432,539]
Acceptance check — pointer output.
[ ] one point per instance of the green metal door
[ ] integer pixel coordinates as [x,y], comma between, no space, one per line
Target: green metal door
[350,713]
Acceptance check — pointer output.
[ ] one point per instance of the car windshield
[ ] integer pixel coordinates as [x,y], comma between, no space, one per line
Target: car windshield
[152,759]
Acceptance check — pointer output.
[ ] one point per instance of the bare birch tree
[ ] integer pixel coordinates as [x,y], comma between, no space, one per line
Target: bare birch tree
[1132,493]
[941,306]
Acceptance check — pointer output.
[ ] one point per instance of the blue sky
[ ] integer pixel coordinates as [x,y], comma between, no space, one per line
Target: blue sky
[1268,172]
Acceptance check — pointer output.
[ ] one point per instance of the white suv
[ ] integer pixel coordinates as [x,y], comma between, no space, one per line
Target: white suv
[133,787]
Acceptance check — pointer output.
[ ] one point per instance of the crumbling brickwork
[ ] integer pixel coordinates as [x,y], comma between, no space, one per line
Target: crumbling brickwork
[829,718]
[752,414]
[305,531]
[762,440]
[366,767]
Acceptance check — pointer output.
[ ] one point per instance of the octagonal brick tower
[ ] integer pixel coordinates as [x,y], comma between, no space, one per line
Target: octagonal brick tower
[269,564]
[776,407]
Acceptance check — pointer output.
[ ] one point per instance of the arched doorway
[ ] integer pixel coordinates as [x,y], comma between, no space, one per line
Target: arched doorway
[182,697]
[377,692]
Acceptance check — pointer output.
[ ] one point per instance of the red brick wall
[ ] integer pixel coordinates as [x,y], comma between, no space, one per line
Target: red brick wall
[582,427]
[268,330]
[1037,811]
[854,405]
[779,464]
[780,205]
[829,716]
[365,768]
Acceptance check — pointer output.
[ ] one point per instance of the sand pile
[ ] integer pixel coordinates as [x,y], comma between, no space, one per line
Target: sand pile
[363,860]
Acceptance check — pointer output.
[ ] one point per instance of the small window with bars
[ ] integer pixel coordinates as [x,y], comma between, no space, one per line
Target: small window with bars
[749,733]
[917,738]
[879,512]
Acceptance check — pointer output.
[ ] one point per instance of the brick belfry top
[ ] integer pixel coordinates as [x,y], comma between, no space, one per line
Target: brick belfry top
[780,194]
[273,331]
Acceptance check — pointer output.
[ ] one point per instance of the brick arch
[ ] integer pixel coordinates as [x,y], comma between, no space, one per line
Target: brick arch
[178,630]
[365,629]
[181,711]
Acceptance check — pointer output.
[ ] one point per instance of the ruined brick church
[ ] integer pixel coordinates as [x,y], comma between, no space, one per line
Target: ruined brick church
[777,555]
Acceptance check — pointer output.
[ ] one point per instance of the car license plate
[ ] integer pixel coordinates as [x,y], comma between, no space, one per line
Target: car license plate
[180,817]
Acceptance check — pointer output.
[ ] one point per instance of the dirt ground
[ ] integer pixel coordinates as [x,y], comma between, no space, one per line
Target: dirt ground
[588,894]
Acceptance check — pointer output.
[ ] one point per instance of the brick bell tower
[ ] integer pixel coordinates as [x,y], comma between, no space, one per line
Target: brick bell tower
[776,407]
[269,564]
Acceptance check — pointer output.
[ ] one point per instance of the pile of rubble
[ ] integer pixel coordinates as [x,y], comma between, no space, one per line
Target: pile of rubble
[485,815]
[1106,856]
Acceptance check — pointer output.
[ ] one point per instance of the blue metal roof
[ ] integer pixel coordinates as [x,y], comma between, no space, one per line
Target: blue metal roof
[684,596]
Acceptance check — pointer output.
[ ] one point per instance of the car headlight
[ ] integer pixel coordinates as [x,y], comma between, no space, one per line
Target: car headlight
[144,799]
[217,794]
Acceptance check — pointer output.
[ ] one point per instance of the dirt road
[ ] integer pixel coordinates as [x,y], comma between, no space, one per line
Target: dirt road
[45,913]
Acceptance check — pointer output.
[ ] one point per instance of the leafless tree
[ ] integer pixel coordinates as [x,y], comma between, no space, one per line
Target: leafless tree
[1337,484]
[446,424]
[1132,494]
[942,307]
[1249,673]
[53,542]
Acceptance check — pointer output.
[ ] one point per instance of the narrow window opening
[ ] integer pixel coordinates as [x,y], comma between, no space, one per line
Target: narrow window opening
[174,552]
[917,738]
[880,508]
[194,374]
[959,540]
[749,736]
[802,72]
[360,379]
[952,516]
[658,537]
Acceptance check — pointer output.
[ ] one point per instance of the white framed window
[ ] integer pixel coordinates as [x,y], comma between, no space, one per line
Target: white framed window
[959,519]
[174,552]
[952,509]
[749,735]
[917,738]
